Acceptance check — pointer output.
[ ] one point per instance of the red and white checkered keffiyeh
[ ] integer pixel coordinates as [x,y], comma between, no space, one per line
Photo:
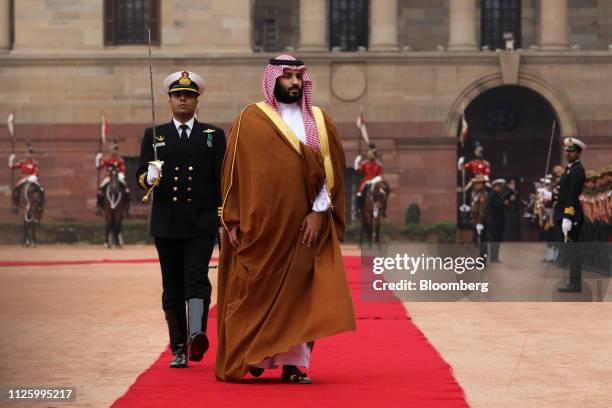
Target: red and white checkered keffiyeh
[269,82]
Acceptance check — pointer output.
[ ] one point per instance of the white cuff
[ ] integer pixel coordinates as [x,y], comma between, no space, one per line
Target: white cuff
[322,202]
[150,179]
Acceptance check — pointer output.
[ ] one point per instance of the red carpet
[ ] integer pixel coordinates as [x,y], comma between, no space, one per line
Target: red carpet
[386,363]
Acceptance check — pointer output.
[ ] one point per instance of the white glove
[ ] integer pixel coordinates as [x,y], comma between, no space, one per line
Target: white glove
[566,225]
[460,163]
[121,177]
[32,178]
[11,160]
[357,163]
[154,171]
[479,228]
[98,159]
[545,194]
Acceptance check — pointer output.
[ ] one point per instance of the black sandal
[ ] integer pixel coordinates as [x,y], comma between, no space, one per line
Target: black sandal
[256,371]
[292,374]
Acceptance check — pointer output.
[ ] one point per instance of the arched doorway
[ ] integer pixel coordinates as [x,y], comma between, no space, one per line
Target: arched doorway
[514,125]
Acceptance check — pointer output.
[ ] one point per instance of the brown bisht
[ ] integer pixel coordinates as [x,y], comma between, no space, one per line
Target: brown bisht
[273,291]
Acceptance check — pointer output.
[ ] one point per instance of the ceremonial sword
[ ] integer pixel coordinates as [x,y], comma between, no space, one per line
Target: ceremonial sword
[147,196]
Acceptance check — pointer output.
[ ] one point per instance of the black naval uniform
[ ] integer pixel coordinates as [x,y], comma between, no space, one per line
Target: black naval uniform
[184,224]
[496,214]
[568,206]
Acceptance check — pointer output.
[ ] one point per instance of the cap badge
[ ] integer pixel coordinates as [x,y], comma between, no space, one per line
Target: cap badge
[185,78]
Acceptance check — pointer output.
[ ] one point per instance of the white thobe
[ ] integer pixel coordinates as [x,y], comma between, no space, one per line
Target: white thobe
[292,115]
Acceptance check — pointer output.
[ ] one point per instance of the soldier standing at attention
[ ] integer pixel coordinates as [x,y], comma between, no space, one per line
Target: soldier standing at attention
[184,221]
[496,216]
[568,211]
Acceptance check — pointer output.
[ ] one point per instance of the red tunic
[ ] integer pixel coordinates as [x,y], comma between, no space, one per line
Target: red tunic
[478,166]
[110,160]
[28,167]
[369,169]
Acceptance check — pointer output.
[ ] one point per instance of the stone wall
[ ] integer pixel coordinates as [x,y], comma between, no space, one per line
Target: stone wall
[422,24]
[77,25]
[590,23]
[406,101]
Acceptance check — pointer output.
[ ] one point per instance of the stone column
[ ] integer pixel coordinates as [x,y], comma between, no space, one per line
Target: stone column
[553,25]
[313,26]
[462,26]
[5,26]
[383,26]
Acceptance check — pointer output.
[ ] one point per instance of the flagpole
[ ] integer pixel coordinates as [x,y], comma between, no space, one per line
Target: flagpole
[13,137]
[359,136]
[100,149]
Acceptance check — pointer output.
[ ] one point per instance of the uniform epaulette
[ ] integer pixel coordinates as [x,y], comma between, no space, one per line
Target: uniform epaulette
[569,211]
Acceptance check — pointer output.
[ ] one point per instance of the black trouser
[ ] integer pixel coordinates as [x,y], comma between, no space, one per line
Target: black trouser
[496,235]
[184,267]
[573,250]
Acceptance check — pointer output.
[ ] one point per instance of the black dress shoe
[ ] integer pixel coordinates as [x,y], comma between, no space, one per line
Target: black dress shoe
[294,375]
[180,358]
[570,289]
[198,345]
[256,371]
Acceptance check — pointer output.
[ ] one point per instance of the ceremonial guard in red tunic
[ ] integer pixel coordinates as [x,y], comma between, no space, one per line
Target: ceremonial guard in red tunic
[29,170]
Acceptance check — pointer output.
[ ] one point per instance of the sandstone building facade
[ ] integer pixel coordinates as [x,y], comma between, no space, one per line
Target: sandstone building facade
[412,66]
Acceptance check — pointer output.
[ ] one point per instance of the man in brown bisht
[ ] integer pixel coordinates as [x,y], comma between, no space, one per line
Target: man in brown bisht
[282,283]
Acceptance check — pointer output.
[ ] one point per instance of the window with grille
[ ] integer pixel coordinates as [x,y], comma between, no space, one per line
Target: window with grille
[270,35]
[348,24]
[275,25]
[499,17]
[126,22]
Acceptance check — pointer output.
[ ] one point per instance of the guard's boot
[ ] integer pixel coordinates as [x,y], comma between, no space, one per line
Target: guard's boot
[359,200]
[198,319]
[574,286]
[99,202]
[550,256]
[570,288]
[555,254]
[15,206]
[178,336]
[128,200]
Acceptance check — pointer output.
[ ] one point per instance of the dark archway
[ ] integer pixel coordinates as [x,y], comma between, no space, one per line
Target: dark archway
[514,125]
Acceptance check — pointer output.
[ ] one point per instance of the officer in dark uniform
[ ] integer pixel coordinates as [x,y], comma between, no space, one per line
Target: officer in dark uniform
[186,178]
[568,210]
[496,213]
